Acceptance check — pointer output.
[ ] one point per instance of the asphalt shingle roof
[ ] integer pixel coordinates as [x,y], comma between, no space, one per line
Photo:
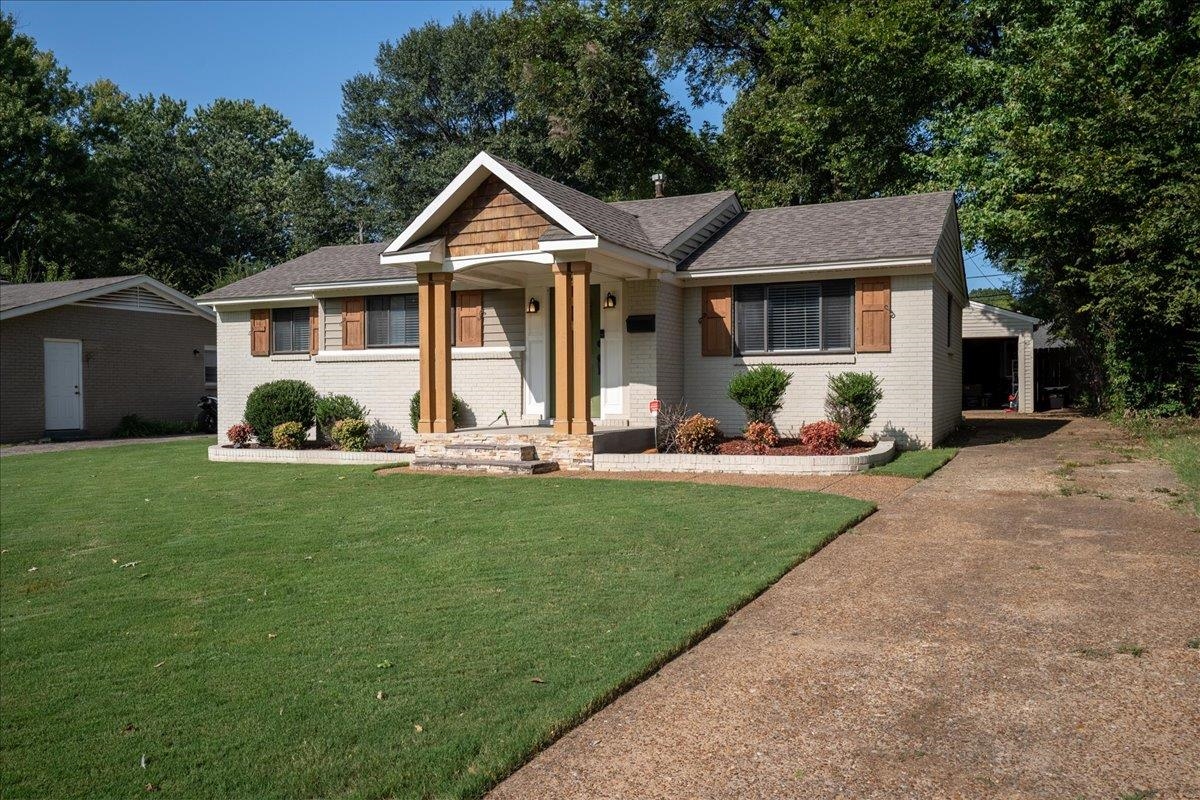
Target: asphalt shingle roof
[664,218]
[856,230]
[16,295]
[344,262]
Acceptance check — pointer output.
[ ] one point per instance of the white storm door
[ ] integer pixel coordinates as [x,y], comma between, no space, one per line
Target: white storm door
[64,384]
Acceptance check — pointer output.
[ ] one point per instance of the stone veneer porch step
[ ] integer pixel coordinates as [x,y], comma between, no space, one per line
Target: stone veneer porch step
[497,466]
[492,452]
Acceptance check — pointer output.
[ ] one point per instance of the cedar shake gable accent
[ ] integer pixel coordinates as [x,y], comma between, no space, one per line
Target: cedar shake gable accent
[492,220]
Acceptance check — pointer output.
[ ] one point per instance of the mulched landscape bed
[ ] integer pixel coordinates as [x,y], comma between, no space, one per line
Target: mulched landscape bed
[787,447]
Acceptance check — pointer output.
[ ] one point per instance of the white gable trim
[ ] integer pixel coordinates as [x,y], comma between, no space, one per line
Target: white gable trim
[1004,313]
[466,182]
[186,304]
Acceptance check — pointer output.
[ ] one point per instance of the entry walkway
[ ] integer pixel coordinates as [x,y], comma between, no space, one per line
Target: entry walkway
[998,630]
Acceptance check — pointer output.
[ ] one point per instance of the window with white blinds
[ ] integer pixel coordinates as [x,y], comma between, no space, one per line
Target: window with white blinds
[815,316]
[392,321]
[289,330]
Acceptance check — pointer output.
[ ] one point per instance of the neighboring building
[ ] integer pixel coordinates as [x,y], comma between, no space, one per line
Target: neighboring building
[1007,354]
[538,305]
[76,356]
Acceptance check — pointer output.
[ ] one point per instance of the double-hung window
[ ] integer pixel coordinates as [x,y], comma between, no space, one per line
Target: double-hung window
[812,316]
[392,321]
[210,365]
[290,332]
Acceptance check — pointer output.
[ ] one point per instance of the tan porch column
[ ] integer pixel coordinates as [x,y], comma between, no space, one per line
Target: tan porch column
[563,350]
[433,303]
[581,402]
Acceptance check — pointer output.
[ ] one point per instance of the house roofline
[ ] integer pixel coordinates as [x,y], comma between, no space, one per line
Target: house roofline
[158,287]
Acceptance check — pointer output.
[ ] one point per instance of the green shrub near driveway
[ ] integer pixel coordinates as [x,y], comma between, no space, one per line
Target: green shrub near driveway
[330,408]
[850,401]
[457,409]
[759,391]
[273,403]
[248,635]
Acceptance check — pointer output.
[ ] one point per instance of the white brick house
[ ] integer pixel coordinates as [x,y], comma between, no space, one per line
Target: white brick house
[539,305]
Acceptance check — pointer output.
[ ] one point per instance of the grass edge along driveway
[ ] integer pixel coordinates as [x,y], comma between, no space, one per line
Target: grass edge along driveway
[236,623]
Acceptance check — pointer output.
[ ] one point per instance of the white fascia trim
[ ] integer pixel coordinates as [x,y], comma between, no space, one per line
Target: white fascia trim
[823,267]
[701,223]
[1004,312]
[254,302]
[159,288]
[411,259]
[523,256]
[324,289]
[580,243]
[463,184]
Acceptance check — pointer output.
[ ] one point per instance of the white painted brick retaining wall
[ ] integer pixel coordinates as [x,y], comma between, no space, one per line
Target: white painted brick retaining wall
[745,465]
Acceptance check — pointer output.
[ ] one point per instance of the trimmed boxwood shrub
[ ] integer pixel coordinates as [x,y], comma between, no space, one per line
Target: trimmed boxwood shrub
[273,403]
[457,409]
[759,391]
[288,435]
[333,407]
[350,434]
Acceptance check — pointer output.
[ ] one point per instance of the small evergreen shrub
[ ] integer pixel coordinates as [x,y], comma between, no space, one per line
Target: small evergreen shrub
[670,417]
[698,434]
[288,435]
[851,400]
[762,435]
[330,408]
[280,401]
[240,434]
[133,426]
[823,438]
[350,434]
[759,391]
[457,409]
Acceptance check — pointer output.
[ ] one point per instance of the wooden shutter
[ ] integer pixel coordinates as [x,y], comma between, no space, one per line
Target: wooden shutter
[873,312]
[260,332]
[354,319]
[314,330]
[468,319]
[716,332]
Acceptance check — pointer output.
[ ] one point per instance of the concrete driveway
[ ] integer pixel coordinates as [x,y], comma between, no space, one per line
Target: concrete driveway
[1015,626]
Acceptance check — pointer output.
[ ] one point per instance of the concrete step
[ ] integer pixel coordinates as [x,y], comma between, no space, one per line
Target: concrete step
[495,466]
[492,452]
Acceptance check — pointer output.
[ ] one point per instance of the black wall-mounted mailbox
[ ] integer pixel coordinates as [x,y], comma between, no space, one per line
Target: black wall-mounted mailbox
[639,323]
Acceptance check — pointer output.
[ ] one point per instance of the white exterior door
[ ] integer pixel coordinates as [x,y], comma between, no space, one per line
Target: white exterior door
[64,384]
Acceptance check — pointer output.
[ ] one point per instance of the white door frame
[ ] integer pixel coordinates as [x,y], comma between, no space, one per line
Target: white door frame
[78,383]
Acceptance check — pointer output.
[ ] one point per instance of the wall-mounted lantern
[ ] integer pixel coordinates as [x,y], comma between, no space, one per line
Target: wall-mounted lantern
[533,307]
[610,300]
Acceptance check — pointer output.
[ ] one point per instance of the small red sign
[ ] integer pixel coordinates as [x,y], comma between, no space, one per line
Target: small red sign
[655,405]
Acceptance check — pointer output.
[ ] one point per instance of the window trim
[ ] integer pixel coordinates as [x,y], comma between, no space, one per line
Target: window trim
[291,322]
[738,351]
[210,348]
[367,322]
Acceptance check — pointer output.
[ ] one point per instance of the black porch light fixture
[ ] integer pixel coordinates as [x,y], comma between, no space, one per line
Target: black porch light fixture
[610,300]
[533,307]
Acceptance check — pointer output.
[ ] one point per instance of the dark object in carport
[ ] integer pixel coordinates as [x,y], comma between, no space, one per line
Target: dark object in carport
[639,323]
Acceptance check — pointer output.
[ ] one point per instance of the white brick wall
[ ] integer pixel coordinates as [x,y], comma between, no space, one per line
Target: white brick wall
[906,411]
[487,382]
[669,342]
[641,353]
[947,364]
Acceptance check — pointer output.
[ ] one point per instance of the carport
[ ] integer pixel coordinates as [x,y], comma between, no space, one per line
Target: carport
[997,357]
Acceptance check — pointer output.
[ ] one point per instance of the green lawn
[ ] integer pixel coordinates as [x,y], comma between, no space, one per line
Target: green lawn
[917,463]
[235,622]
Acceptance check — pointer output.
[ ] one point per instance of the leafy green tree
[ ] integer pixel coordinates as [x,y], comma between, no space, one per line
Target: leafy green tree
[841,104]
[1080,162]
[1000,298]
[43,160]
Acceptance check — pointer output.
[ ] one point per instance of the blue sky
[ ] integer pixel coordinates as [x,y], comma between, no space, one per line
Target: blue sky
[291,56]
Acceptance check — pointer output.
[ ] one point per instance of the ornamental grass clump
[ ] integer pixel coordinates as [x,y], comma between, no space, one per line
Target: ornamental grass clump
[240,434]
[759,391]
[762,435]
[351,434]
[822,438]
[698,434]
[330,408]
[851,400]
[271,404]
[287,435]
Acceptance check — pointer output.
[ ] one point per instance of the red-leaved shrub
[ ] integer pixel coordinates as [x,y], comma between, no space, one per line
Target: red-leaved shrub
[822,438]
[762,435]
[698,434]
[239,434]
